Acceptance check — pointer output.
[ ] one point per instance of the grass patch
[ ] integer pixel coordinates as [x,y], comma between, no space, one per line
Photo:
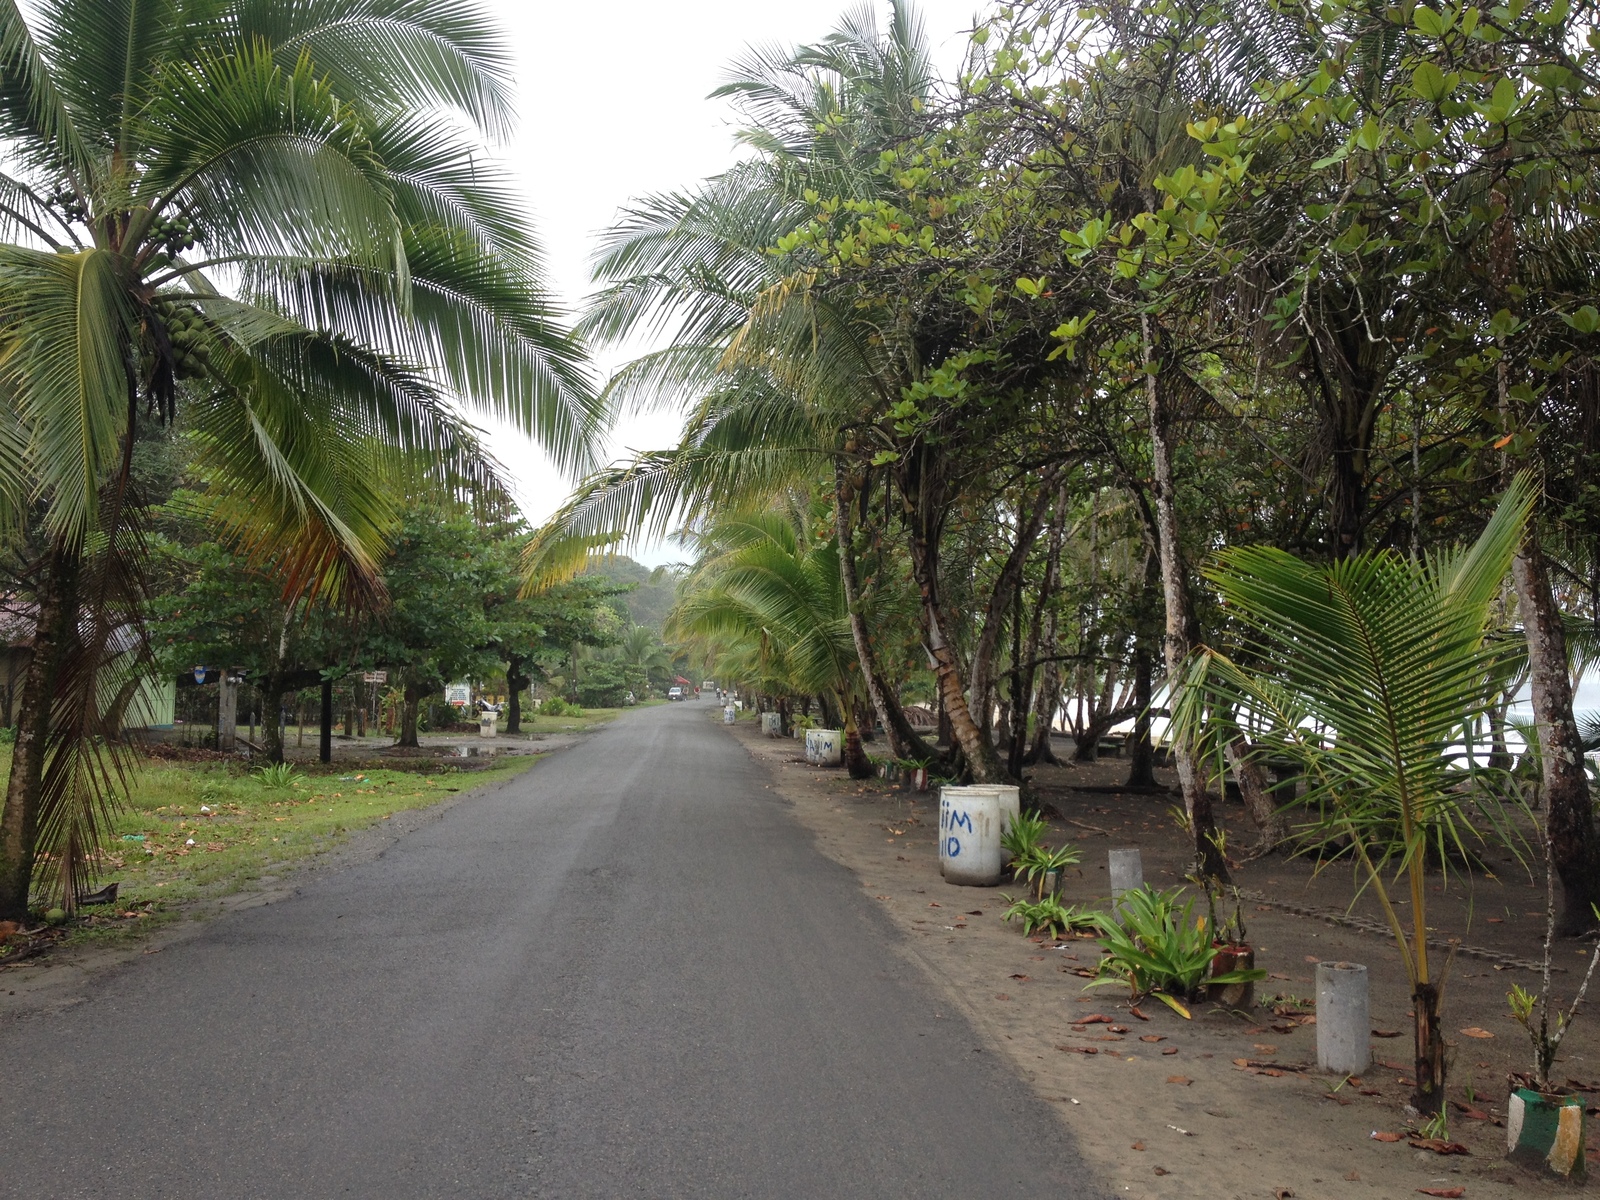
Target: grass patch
[195,831]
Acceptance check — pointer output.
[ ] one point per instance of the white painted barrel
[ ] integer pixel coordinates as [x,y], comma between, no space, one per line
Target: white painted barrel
[811,745]
[1010,796]
[729,715]
[829,747]
[969,836]
[772,724]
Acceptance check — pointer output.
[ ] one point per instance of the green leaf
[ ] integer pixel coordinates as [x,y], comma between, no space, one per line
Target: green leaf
[1585,320]
[1430,83]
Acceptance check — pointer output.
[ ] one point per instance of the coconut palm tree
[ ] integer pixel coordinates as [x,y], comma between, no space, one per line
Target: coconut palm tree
[1380,667]
[766,588]
[763,418]
[276,225]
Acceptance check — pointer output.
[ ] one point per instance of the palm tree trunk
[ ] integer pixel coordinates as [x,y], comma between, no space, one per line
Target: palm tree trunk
[1175,592]
[19,820]
[856,761]
[271,692]
[978,750]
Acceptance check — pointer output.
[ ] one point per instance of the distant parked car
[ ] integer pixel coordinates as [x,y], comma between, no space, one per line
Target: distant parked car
[674,693]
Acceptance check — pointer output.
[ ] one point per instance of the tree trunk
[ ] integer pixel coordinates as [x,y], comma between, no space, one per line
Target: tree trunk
[1041,751]
[1175,593]
[1036,637]
[1142,767]
[1259,803]
[899,745]
[271,692]
[1569,811]
[515,682]
[978,750]
[1428,1099]
[1002,596]
[325,732]
[19,820]
[408,715]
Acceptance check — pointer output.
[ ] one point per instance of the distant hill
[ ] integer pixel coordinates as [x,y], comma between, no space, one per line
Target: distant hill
[650,601]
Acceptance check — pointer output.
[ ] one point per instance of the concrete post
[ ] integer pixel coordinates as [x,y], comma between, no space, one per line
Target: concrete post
[1127,873]
[1344,1018]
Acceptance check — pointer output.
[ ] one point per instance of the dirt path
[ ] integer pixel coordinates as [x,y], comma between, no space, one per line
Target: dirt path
[1160,1107]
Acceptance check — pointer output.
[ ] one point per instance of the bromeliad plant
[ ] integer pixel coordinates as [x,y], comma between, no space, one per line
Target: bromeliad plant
[1157,948]
[1379,667]
[1029,856]
[1049,914]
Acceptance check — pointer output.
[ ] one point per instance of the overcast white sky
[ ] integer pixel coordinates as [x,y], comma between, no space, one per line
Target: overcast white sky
[613,105]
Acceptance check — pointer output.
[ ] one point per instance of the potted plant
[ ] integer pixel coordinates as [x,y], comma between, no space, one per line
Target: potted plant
[1545,1126]
[914,774]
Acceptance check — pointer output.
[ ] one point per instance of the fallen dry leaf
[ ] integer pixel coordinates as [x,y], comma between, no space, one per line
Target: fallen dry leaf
[1467,1110]
[1439,1146]
[1170,1050]
[1001,996]
[1138,1014]
[1109,1037]
[1379,1136]
[1137,1146]
[1162,1171]
[1264,1048]
[934,904]
[1352,1176]
[1282,1194]
[1080,1049]
[977,912]
[1385,1033]
[1182,1080]
[1472,1031]
[1024,978]
[1119,1029]
[1312,958]
[1093,1019]
[1450,1193]
[1152,1037]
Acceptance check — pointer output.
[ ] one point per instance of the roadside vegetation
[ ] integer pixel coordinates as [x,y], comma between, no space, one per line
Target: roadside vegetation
[192,831]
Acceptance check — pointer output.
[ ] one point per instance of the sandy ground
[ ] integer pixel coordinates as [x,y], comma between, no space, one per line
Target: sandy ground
[1214,1107]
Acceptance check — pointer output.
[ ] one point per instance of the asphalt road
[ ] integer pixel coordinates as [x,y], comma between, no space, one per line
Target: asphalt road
[627,973]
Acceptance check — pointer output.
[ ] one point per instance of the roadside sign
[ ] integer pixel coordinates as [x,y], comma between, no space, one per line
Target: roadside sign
[459,694]
[374,677]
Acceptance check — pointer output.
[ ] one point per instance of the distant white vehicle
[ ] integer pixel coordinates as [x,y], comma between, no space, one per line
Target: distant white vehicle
[675,693]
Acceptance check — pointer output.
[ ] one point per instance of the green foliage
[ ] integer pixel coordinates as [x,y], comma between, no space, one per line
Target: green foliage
[278,775]
[1029,856]
[557,707]
[1379,666]
[1048,914]
[604,684]
[1159,947]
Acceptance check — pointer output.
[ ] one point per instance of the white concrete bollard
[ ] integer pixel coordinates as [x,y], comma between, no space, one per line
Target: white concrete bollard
[729,715]
[830,747]
[1127,873]
[772,724]
[1344,1018]
[969,836]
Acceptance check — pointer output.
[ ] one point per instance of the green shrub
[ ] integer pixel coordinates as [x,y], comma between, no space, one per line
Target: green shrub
[1048,914]
[278,775]
[1160,949]
[554,707]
